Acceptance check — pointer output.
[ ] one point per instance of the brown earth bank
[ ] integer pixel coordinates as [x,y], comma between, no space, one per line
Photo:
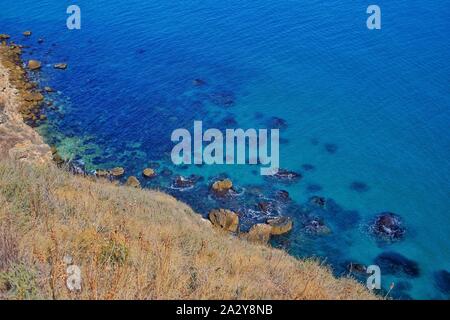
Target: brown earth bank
[128,243]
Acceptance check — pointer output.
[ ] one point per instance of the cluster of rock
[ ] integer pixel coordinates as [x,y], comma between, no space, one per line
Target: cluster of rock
[19,101]
[119,172]
[228,220]
[32,98]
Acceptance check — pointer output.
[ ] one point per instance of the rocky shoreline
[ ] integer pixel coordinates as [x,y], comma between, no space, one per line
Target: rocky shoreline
[20,101]
[21,105]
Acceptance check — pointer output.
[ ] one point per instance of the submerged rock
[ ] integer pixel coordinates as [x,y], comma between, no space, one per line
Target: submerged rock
[318,201]
[4,37]
[283,195]
[166,172]
[265,206]
[34,65]
[316,226]
[223,99]
[280,225]
[313,188]
[49,89]
[229,121]
[286,175]
[308,167]
[222,187]
[359,186]
[132,181]
[198,82]
[388,226]
[61,66]
[259,233]
[442,279]
[394,263]
[224,219]
[277,123]
[331,148]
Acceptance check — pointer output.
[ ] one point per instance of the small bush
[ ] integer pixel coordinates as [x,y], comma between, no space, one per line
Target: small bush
[19,282]
[114,252]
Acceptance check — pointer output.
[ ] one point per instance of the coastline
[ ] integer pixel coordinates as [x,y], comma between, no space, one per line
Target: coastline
[20,100]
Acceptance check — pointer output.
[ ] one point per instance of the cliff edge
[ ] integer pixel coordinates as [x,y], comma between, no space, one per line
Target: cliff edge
[127,243]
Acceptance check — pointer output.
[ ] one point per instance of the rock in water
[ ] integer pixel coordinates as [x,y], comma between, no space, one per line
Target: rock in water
[388,226]
[149,173]
[27,33]
[222,187]
[283,195]
[259,233]
[117,172]
[316,226]
[181,182]
[34,65]
[102,173]
[287,176]
[133,182]
[356,268]
[280,225]
[318,201]
[61,66]
[4,37]
[224,219]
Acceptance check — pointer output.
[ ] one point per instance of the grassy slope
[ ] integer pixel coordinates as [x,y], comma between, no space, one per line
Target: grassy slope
[135,244]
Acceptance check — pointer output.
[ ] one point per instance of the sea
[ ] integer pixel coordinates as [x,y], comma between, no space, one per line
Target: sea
[364,115]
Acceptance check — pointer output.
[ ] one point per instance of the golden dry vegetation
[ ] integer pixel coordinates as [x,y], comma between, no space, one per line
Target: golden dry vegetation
[135,244]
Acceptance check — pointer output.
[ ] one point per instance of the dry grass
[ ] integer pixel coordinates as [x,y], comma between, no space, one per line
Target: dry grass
[135,244]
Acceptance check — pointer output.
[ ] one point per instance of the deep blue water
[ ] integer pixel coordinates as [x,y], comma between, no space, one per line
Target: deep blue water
[379,99]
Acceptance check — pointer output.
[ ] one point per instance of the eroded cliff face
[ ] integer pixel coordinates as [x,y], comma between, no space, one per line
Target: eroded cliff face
[19,99]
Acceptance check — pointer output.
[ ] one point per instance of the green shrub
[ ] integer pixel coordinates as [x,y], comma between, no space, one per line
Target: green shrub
[19,282]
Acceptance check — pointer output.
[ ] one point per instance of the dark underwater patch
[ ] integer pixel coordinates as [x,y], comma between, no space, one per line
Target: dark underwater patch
[394,263]
[308,167]
[331,148]
[359,186]
[442,281]
[313,188]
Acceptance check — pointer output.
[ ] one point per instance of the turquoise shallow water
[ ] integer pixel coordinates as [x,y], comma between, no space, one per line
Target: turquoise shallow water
[381,98]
